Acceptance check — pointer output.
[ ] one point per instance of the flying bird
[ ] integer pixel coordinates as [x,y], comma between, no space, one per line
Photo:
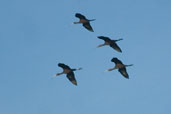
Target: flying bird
[84,21]
[69,72]
[111,43]
[120,66]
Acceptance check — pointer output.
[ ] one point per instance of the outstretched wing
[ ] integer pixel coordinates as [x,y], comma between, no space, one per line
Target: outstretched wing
[88,26]
[106,39]
[115,46]
[63,66]
[71,78]
[116,61]
[124,72]
[80,16]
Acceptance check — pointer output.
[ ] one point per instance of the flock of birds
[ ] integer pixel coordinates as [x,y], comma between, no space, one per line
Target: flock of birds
[107,42]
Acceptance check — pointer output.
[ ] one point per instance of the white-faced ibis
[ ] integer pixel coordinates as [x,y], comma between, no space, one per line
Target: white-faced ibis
[111,43]
[120,66]
[84,21]
[69,72]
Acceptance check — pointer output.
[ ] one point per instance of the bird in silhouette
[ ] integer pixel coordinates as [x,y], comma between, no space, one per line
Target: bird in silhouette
[69,72]
[111,43]
[120,66]
[84,21]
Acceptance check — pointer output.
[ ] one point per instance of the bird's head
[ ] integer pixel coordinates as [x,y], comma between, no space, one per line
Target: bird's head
[114,59]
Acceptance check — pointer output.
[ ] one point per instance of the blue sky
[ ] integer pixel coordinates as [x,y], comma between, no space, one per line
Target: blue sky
[35,35]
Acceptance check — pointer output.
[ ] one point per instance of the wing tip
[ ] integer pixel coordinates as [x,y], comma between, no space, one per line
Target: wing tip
[99,37]
[75,83]
[119,50]
[127,77]
[91,30]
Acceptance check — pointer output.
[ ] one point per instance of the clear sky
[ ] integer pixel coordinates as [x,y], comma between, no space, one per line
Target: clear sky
[35,35]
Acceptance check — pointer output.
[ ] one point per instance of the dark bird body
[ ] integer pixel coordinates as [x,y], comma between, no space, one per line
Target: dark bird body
[120,66]
[111,43]
[84,21]
[69,72]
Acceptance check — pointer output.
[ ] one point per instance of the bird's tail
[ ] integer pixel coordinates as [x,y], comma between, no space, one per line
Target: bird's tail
[120,39]
[92,20]
[110,69]
[129,65]
[100,45]
[117,40]
[79,68]
[57,74]
[54,76]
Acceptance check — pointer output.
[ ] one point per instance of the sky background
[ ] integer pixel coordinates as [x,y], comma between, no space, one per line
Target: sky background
[35,35]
